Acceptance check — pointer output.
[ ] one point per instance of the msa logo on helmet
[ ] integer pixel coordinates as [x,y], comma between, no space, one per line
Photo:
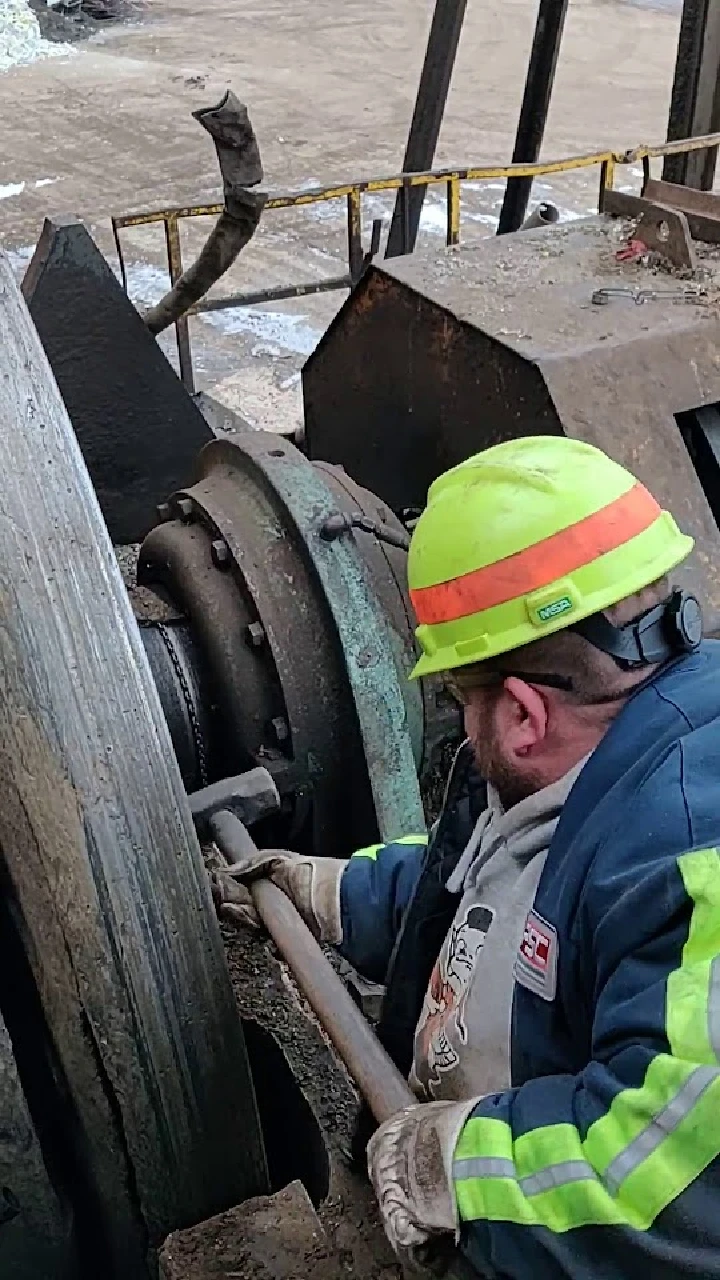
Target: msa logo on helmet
[554,609]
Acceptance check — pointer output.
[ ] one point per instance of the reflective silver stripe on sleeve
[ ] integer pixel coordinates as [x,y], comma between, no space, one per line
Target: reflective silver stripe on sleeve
[659,1127]
[556,1175]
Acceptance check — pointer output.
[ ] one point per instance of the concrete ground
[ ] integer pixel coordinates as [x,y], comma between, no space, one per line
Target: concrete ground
[330,87]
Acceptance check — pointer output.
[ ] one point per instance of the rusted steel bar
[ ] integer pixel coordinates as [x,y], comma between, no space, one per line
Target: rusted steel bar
[377,1078]
[534,109]
[482,173]
[182,331]
[354,229]
[695,101]
[271,295]
[427,118]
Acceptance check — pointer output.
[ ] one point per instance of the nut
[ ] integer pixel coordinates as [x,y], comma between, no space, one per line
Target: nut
[280,729]
[185,508]
[256,634]
[220,554]
[164,512]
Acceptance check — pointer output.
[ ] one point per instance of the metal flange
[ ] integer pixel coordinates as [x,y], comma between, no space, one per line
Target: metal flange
[308,641]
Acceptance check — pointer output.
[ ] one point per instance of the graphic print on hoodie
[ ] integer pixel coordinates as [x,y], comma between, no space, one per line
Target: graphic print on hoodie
[443,1028]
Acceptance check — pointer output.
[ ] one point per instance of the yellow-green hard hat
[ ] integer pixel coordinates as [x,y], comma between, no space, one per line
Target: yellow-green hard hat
[525,539]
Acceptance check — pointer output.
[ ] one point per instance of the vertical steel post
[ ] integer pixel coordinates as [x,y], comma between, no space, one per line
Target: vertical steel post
[695,101]
[534,110]
[182,331]
[427,118]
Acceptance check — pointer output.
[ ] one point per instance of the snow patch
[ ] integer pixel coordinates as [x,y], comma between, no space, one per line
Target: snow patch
[146,284]
[291,333]
[276,333]
[19,259]
[20,39]
[380,208]
[17,188]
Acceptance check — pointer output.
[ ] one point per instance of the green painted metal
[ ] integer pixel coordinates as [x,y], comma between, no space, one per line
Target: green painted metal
[362,630]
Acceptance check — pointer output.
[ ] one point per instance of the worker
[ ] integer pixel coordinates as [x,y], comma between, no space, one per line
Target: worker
[552,956]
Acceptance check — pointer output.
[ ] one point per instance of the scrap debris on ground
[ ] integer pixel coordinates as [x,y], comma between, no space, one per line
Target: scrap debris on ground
[70,20]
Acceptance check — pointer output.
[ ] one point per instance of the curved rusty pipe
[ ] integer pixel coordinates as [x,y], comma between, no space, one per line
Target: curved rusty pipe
[238,155]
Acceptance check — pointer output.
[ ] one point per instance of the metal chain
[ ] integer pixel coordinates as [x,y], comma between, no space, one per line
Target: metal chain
[640,296]
[195,728]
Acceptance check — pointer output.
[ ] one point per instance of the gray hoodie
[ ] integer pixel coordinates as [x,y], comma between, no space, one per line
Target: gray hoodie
[462,1041]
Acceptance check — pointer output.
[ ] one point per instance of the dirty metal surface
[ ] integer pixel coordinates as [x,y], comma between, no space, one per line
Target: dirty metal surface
[120,1008]
[36,1231]
[665,231]
[695,101]
[438,356]
[138,429]
[309,664]
[388,572]
[243,697]
[278,1237]
[701,208]
[279,688]
[531,291]
[360,627]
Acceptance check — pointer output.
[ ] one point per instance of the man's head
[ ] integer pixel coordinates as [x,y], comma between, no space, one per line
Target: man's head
[526,731]
[526,570]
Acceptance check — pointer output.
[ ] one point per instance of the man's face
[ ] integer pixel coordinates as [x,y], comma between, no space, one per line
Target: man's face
[496,765]
[501,729]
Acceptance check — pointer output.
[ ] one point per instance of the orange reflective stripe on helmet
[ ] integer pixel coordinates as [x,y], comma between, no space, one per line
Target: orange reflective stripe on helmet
[540,564]
[526,538]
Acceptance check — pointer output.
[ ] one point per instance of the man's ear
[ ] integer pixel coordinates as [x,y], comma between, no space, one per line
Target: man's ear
[522,717]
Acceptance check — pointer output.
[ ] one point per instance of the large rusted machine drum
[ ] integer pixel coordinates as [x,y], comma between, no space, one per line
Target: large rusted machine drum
[292,642]
[113,986]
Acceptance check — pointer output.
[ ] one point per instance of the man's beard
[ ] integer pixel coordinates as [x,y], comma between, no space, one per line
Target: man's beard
[495,770]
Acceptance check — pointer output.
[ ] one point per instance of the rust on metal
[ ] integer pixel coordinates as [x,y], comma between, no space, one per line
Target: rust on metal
[450,179]
[277,610]
[500,339]
[701,208]
[182,331]
[665,231]
[695,100]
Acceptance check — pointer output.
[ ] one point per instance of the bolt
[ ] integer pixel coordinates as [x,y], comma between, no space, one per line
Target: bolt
[220,554]
[280,729]
[164,512]
[256,634]
[186,509]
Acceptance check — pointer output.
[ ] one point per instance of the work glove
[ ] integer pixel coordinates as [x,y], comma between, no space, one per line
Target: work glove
[410,1166]
[312,884]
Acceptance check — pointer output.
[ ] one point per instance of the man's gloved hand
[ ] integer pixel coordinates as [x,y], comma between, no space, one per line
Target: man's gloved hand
[312,884]
[410,1166]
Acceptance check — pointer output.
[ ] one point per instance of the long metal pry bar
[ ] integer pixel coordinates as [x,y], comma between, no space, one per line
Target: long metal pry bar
[375,1075]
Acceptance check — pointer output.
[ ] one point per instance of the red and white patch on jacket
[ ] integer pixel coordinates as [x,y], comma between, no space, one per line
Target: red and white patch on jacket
[536,961]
